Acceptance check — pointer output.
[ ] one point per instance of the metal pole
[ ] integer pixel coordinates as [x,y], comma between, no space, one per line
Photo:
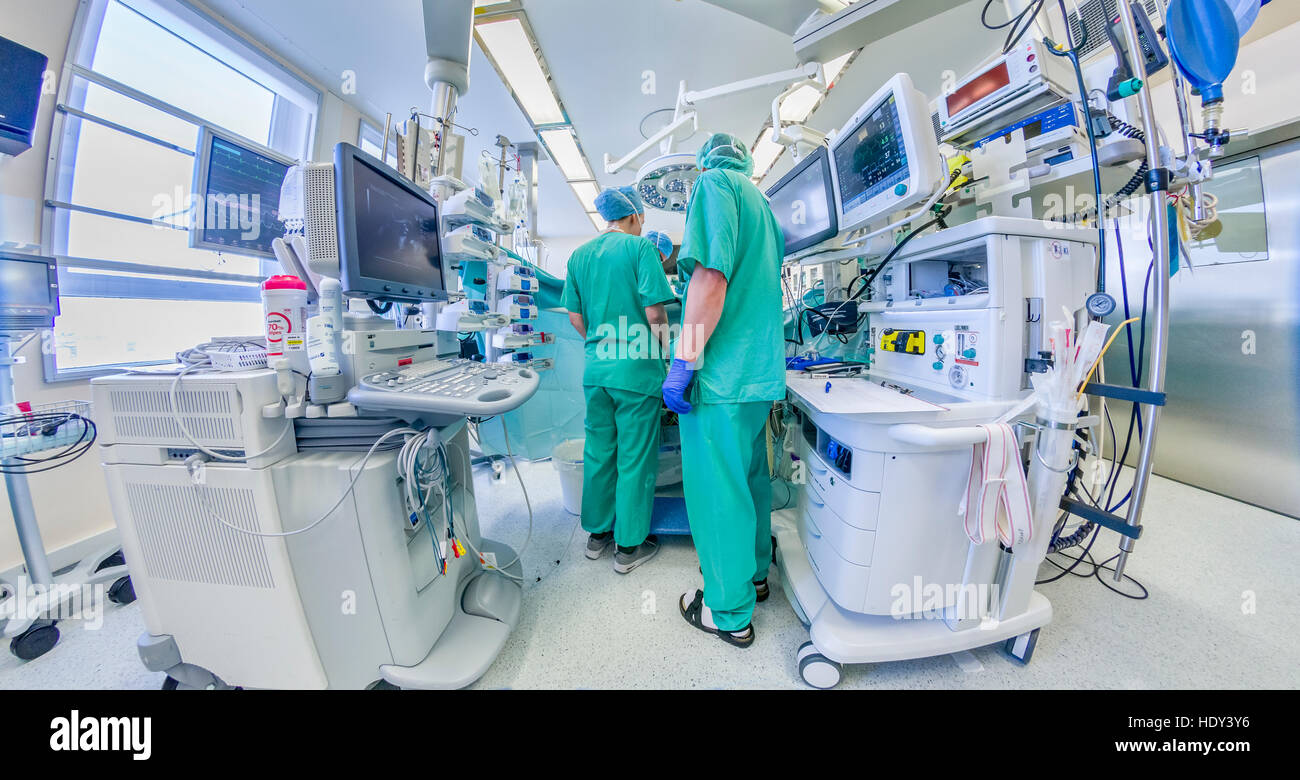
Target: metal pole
[20,494]
[1160,323]
[444,108]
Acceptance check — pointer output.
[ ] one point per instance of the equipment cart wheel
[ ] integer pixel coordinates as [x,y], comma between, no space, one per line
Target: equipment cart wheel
[816,669]
[170,684]
[116,559]
[121,591]
[1021,647]
[39,639]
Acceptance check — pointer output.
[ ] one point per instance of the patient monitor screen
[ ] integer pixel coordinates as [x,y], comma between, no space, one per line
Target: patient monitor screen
[802,205]
[873,159]
[397,232]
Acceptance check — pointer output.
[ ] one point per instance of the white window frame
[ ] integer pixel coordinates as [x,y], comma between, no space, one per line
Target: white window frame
[376,133]
[233,49]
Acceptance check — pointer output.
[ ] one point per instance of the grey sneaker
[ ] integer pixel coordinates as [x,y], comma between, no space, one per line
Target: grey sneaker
[598,543]
[625,562]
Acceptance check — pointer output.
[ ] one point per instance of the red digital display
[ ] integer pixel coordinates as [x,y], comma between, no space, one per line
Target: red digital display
[979,88]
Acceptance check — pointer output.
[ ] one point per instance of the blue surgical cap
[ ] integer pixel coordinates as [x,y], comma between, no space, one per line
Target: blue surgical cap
[661,241]
[724,150]
[615,203]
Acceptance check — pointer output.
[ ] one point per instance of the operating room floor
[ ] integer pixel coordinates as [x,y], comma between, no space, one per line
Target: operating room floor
[1221,614]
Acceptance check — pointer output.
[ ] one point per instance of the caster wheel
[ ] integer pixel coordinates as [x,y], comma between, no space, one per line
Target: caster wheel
[170,684]
[498,469]
[35,641]
[1021,647]
[817,670]
[116,559]
[121,591]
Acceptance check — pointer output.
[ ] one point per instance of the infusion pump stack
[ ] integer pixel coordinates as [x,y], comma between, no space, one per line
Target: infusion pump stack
[251,499]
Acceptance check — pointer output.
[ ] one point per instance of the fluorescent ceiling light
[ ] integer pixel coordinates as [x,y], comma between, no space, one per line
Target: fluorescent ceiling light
[564,149]
[586,192]
[800,104]
[836,65]
[766,152]
[509,45]
[597,221]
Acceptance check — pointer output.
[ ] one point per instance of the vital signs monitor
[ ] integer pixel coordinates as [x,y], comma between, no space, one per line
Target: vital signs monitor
[886,158]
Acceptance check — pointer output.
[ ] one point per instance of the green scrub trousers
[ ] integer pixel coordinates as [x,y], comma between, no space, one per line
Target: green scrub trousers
[731,229]
[620,463]
[729,493]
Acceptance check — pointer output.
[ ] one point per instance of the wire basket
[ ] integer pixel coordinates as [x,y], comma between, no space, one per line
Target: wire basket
[56,425]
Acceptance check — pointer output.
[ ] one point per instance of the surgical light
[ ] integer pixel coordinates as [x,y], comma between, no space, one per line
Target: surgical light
[665,182]
[510,46]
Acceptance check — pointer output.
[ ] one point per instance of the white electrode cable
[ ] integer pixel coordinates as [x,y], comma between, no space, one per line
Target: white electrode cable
[176,417]
[361,467]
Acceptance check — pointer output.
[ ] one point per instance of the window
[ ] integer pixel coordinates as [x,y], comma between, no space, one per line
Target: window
[370,138]
[143,78]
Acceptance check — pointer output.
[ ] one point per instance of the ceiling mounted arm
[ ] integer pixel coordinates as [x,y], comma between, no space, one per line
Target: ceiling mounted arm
[448,31]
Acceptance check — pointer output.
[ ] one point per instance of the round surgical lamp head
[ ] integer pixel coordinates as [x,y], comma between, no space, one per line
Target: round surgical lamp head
[665,182]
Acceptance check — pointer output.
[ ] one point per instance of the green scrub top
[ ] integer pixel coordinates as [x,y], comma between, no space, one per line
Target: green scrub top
[731,229]
[611,281]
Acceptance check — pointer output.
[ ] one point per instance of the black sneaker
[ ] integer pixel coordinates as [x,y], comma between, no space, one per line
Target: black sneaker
[761,590]
[627,559]
[598,543]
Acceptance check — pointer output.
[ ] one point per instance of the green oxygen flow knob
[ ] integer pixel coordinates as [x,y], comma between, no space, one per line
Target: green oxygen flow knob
[969,354]
[938,338]
[938,365]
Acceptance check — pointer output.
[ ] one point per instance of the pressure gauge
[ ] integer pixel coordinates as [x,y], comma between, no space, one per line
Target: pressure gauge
[1100,305]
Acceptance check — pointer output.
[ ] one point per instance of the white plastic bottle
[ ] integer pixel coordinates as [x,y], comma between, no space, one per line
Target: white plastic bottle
[284,303]
[331,302]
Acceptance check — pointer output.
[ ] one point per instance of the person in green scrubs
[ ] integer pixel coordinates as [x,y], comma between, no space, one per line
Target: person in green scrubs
[728,369]
[615,293]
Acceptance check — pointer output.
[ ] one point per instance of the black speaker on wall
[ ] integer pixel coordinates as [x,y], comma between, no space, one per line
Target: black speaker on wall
[22,72]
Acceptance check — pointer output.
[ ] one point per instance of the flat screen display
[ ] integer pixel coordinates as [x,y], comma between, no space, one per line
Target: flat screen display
[978,88]
[240,207]
[873,157]
[24,283]
[802,204]
[396,231]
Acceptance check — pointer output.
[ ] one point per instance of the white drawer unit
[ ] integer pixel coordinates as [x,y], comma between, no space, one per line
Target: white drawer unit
[853,543]
[846,583]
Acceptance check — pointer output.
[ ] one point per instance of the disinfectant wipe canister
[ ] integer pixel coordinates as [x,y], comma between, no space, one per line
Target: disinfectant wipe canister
[284,301]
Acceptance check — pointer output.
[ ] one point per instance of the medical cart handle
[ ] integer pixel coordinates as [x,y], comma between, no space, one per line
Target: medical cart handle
[944,438]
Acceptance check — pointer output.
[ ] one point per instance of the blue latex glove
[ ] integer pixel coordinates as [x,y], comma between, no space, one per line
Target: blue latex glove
[680,374]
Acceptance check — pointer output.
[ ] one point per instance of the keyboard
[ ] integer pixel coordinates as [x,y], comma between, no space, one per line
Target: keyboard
[461,387]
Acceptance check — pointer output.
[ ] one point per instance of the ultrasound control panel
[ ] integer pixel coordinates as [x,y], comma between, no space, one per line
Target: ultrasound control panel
[461,387]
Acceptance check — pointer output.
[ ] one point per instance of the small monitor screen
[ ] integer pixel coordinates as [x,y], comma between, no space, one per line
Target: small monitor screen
[873,158]
[979,88]
[802,204]
[240,199]
[24,283]
[396,231]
